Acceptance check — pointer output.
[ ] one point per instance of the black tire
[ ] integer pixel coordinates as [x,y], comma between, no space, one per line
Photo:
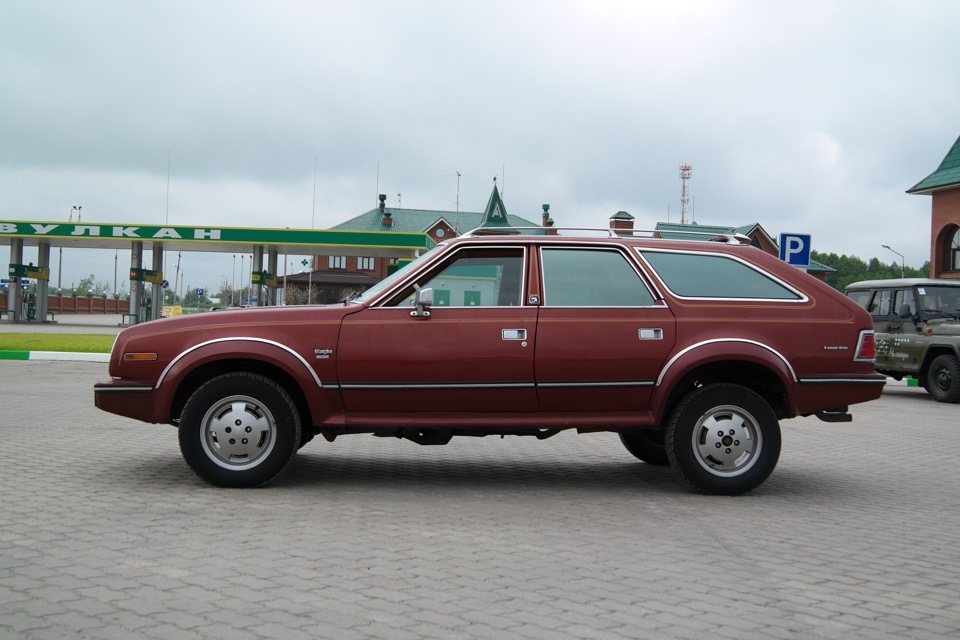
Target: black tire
[723,439]
[647,445]
[239,430]
[943,378]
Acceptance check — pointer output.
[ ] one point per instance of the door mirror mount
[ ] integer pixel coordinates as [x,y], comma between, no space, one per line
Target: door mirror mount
[422,300]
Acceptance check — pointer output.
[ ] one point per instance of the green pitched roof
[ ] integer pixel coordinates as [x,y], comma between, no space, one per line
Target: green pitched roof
[621,215]
[705,232]
[495,214]
[946,175]
[421,220]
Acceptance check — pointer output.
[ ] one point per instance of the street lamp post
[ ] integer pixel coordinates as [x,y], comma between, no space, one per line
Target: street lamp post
[60,267]
[903,261]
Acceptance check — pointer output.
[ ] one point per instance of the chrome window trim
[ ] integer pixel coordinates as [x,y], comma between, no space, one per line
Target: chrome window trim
[679,354]
[623,250]
[379,302]
[801,297]
[183,354]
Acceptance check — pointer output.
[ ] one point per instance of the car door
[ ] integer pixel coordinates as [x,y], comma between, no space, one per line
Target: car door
[880,310]
[602,334]
[473,350]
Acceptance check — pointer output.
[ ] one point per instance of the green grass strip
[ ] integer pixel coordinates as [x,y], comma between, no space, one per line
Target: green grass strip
[67,342]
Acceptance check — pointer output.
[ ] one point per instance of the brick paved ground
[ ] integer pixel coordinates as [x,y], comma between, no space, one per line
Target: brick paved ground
[105,533]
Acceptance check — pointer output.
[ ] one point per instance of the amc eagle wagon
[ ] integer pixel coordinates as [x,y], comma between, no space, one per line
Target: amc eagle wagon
[691,351]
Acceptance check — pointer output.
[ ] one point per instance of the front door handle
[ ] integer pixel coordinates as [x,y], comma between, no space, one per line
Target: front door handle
[514,334]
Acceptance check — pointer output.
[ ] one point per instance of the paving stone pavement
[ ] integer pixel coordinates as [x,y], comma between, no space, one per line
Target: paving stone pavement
[105,533]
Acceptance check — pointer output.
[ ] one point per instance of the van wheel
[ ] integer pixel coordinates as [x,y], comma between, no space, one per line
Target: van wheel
[943,378]
[239,430]
[723,439]
[646,445]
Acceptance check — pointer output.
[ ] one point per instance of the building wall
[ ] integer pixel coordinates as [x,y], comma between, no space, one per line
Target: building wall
[945,220]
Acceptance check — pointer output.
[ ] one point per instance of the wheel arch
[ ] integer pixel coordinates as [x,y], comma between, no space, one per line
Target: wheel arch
[755,366]
[933,351]
[190,369]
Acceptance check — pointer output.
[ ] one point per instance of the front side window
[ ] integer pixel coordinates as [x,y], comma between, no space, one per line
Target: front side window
[939,301]
[591,278]
[699,275]
[487,277]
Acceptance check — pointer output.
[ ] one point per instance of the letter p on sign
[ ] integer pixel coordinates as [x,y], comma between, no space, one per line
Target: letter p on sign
[795,249]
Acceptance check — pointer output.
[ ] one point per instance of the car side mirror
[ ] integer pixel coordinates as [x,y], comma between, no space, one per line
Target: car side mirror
[422,300]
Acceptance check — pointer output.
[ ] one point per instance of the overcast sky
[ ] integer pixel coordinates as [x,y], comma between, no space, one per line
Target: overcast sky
[810,117]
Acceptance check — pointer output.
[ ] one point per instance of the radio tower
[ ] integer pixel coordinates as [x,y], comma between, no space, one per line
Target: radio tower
[686,172]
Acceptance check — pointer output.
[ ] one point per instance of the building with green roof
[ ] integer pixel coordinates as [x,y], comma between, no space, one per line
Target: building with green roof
[944,186]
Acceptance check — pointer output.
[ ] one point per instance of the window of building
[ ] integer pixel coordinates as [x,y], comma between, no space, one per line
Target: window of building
[591,278]
[337,262]
[694,275]
[365,264]
[952,251]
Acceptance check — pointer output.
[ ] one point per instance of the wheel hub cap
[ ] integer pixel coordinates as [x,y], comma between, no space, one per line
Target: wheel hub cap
[726,441]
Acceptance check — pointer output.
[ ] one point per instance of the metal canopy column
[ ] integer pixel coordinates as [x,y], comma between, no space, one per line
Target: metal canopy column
[257,277]
[272,269]
[136,286]
[43,284]
[13,292]
[156,292]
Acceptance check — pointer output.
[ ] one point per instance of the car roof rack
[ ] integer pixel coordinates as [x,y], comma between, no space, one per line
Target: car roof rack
[702,236]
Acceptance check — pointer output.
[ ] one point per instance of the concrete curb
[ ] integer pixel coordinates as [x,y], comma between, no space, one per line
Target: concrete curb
[55,355]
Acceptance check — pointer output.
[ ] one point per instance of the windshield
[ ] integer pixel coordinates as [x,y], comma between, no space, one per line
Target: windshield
[397,275]
[939,301]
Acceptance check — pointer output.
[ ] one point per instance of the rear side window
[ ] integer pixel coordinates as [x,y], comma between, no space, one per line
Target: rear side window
[881,304]
[591,278]
[695,275]
[862,298]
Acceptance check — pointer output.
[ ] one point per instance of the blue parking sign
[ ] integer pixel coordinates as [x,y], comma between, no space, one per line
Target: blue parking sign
[199,293]
[795,249]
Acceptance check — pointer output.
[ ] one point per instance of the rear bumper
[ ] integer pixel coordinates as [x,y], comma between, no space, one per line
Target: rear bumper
[825,393]
[125,398]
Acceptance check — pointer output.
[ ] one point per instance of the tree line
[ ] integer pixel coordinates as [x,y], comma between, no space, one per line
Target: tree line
[851,269]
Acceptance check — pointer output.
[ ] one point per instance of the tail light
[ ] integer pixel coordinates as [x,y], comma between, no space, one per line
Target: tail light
[866,348]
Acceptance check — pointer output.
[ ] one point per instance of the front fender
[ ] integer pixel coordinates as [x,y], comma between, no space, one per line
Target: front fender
[721,350]
[232,348]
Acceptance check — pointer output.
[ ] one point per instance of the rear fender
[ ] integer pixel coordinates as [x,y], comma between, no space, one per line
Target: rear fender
[718,350]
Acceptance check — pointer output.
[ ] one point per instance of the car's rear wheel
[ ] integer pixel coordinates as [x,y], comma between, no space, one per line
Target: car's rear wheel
[239,430]
[646,445]
[943,378]
[723,439]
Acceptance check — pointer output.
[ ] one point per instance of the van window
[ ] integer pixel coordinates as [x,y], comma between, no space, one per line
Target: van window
[862,298]
[881,304]
[904,297]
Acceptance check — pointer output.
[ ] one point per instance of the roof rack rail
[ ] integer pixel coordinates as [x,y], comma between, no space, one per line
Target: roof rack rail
[726,238]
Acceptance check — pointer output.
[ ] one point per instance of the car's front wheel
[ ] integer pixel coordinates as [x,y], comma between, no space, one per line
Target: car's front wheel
[239,430]
[943,378]
[723,439]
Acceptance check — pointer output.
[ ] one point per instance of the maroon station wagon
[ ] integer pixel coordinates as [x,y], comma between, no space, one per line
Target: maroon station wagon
[692,351]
